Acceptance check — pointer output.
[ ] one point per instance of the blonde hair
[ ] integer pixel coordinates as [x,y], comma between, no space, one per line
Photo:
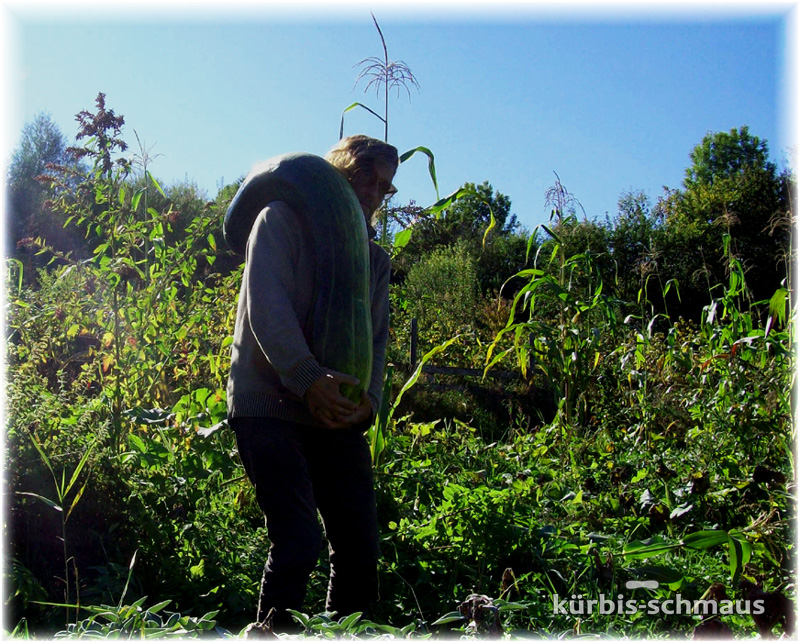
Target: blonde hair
[357,153]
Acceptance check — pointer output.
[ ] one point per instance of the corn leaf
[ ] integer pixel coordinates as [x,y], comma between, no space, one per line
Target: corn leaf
[431,165]
[158,187]
[402,238]
[351,107]
[80,467]
[418,371]
[46,501]
[706,539]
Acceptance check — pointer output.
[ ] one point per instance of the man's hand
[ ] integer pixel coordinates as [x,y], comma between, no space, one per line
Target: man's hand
[333,409]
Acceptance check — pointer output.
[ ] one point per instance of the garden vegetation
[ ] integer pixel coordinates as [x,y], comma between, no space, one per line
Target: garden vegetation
[643,447]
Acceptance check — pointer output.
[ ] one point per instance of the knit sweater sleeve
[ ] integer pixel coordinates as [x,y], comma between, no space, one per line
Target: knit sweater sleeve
[380,266]
[269,276]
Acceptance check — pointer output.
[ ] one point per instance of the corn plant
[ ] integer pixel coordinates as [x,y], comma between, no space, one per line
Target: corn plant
[64,503]
[737,348]
[569,317]
[389,74]
[376,436]
[382,72]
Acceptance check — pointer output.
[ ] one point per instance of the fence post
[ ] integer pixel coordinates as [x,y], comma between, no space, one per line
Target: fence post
[413,344]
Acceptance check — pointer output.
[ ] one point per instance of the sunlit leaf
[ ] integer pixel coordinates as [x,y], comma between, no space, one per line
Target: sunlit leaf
[46,501]
[646,548]
[450,617]
[155,183]
[431,164]
[402,238]
[705,539]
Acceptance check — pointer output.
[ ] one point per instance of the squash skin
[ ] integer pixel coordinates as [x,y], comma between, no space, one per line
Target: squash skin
[334,226]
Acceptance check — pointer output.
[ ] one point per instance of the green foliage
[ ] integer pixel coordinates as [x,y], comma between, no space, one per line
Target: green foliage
[117,621]
[632,239]
[442,291]
[352,626]
[479,221]
[730,189]
[671,458]
[65,501]
[570,320]
[149,333]
[28,216]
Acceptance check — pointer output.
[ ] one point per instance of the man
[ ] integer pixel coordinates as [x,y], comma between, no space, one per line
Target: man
[300,440]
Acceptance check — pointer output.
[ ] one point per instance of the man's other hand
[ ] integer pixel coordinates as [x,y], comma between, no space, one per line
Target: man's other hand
[329,406]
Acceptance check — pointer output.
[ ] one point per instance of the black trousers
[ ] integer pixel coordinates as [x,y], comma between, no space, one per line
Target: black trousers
[298,470]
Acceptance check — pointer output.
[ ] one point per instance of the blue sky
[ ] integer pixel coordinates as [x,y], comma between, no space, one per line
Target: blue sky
[611,99]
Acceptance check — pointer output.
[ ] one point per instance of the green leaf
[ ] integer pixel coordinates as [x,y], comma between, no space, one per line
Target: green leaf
[492,224]
[42,455]
[376,433]
[70,605]
[158,187]
[450,617]
[128,580]
[137,443]
[136,198]
[664,575]
[649,547]
[46,501]
[739,552]
[431,165]
[20,270]
[76,499]
[299,617]
[80,466]
[705,539]
[348,621]
[418,371]
[159,606]
[777,305]
[735,559]
[402,238]
[551,233]
[446,202]
[198,571]
[351,107]
[506,606]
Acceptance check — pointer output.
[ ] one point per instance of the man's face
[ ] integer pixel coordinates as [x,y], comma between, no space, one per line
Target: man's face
[372,186]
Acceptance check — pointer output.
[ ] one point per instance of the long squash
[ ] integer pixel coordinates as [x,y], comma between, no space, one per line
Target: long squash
[334,224]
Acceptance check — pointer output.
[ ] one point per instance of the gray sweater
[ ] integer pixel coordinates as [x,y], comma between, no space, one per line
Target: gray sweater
[271,363]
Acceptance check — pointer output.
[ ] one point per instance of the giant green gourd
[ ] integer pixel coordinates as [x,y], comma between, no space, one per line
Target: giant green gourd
[333,223]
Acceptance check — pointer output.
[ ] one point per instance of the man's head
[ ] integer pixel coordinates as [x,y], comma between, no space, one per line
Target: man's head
[369,165]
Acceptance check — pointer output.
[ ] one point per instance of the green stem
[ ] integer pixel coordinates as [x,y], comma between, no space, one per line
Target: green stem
[116,405]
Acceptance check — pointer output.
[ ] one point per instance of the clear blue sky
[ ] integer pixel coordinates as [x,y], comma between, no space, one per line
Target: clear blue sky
[610,99]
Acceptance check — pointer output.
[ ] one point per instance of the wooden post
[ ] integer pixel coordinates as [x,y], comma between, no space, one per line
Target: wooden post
[413,343]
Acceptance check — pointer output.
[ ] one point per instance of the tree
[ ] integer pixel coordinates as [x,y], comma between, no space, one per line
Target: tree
[722,156]
[467,219]
[42,144]
[498,255]
[730,188]
[632,244]
[442,293]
